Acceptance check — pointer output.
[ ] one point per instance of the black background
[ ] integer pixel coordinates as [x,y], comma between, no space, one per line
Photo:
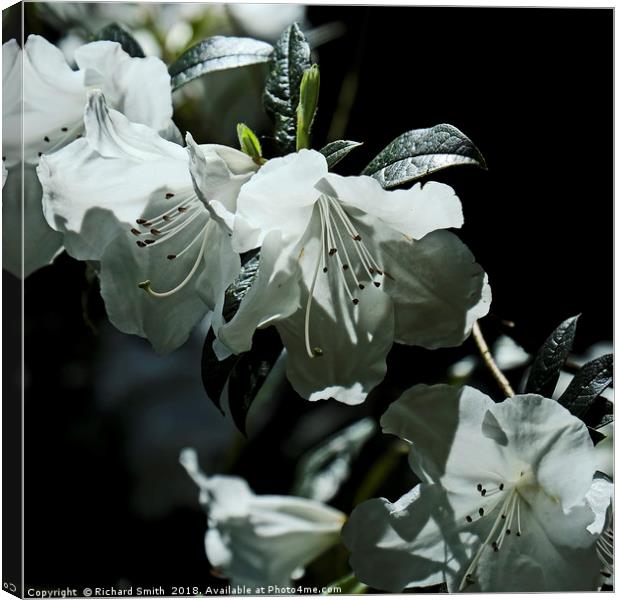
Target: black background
[532,88]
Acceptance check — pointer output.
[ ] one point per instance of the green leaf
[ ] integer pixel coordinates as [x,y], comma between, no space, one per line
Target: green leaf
[308,104]
[216,54]
[249,143]
[587,385]
[600,413]
[419,152]
[550,359]
[291,57]
[237,290]
[116,33]
[334,152]
[349,584]
[250,372]
[323,469]
[215,372]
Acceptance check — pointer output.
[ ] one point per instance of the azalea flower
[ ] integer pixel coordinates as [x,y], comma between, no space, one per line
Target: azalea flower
[260,540]
[507,500]
[123,196]
[346,268]
[54,97]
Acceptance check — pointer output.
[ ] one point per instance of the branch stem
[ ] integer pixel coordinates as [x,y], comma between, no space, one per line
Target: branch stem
[490,363]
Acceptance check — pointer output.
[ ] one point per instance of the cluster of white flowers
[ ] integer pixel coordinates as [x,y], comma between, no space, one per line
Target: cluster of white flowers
[509,498]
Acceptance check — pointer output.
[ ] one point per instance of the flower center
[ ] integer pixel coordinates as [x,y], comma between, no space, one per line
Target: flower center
[343,252]
[187,215]
[507,519]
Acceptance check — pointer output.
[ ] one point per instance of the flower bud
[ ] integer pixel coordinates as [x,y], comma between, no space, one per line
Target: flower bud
[308,101]
[249,143]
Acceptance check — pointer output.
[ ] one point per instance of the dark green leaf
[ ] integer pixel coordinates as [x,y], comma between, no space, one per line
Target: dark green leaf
[334,152]
[589,382]
[237,290]
[290,59]
[216,54]
[215,372]
[115,33]
[595,436]
[600,413]
[249,373]
[550,358]
[419,152]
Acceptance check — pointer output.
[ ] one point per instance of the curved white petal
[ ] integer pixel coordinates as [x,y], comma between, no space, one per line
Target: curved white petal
[261,540]
[554,443]
[280,196]
[137,87]
[273,296]
[413,212]
[11,104]
[93,174]
[437,287]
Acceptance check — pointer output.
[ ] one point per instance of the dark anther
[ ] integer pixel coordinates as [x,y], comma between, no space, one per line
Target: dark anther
[479,487]
[149,241]
[324,269]
[495,547]
[483,492]
[361,286]
[141,244]
[63,129]
[40,153]
[135,231]
[46,139]
[169,195]
[357,238]
[182,209]
[141,221]
[4,158]
[507,531]
[468,519]
[377,283]
[501,486]
[371,270]
[171,256]
[167,218]
[481,512]
[345,267]
[356,301]
[332,251]
[503,516]
[518,534]
[155,231]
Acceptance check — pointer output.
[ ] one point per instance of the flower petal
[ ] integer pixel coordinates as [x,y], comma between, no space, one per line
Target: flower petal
[552,441]
[273,296]
[41,244]
[92,173]
[409,543]
[11,103]
[137,87]
[413,212]
[436,285]
[279,196]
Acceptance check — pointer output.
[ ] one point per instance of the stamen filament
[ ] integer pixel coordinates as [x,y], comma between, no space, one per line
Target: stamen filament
[146,285]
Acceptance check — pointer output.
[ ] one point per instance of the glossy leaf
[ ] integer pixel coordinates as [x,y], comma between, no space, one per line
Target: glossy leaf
[290,59]
[250,372]
[216,54]
[116,33]
[550,359]
[419,152]
[334,152]
[587,385]
[237,290]
[215,372]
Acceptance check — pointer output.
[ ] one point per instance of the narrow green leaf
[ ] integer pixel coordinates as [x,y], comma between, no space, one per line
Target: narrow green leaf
[250,372]
[216,54]
[334,152]
[308,103]
[116,33]
[291,57]
[587,385]
[419,152]
[550,359]
[249,143]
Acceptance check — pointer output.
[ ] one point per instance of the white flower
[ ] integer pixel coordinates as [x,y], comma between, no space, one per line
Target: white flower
[123,196]
[54,97]
[347,268]
[261,540]
[506,504]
